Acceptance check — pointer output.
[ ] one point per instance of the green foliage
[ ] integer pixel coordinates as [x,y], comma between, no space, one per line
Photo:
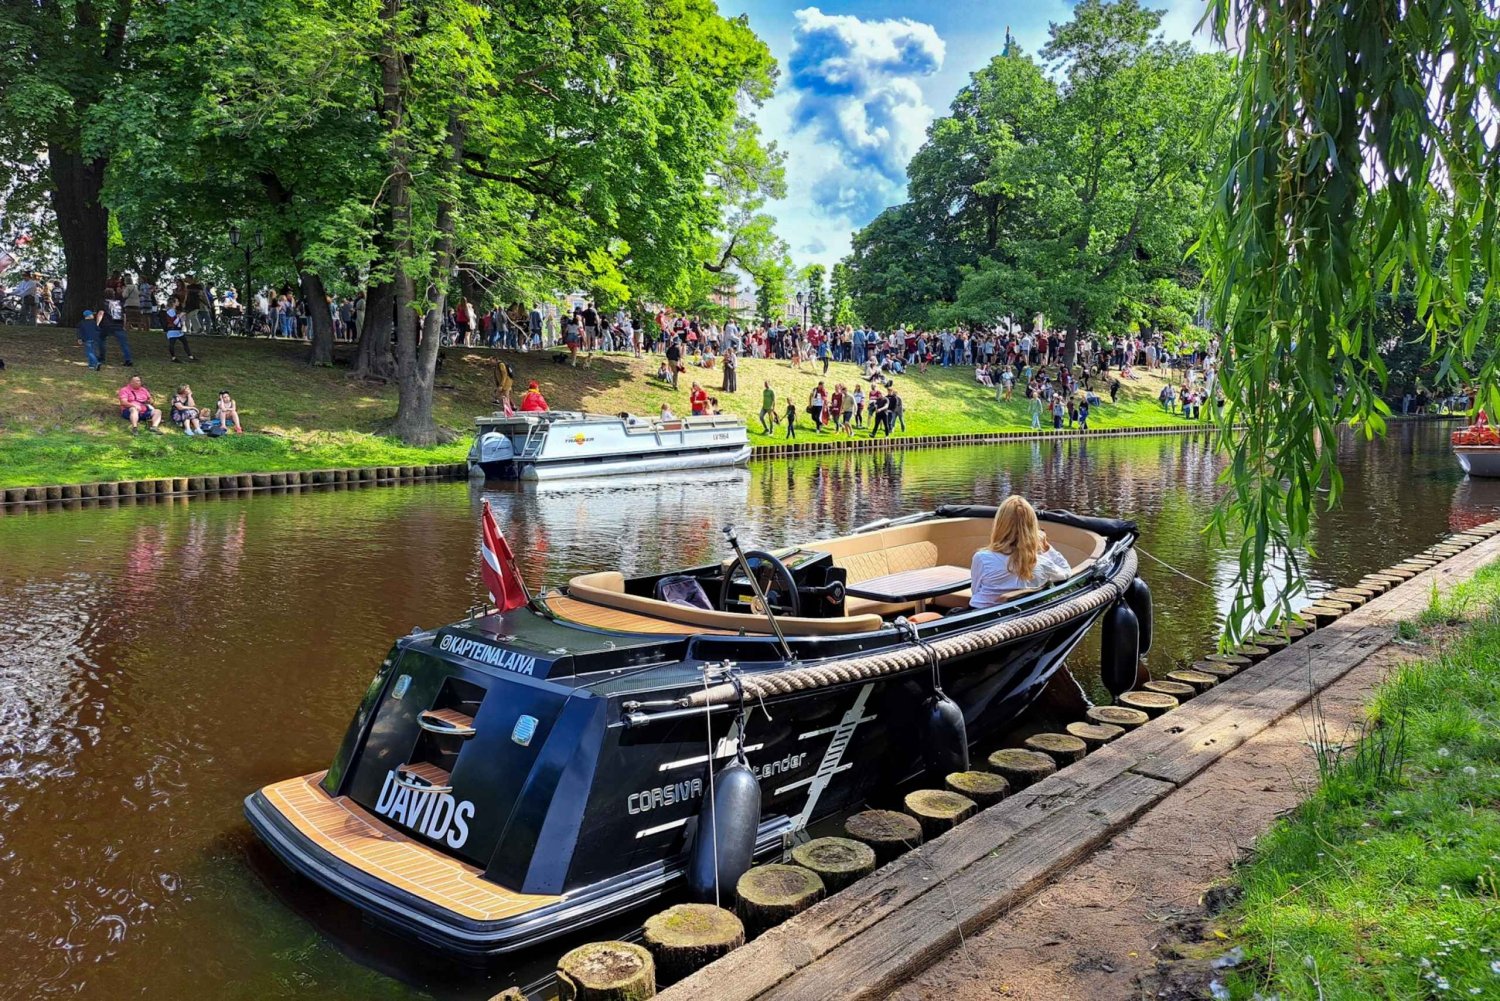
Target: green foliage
[1357,161]
[1384,882]
[1072,196]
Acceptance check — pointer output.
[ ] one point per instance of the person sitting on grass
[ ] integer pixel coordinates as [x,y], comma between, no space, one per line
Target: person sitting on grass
[229,413]
[185,411]
[533,401]
[1018,556]
[135,404]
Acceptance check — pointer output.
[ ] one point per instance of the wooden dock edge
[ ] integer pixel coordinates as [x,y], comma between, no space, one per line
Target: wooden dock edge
[868,939]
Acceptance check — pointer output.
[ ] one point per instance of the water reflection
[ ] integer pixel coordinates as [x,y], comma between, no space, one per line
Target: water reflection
[159,662]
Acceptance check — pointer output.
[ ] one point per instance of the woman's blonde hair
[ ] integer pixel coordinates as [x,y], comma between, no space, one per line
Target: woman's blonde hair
[1016,534]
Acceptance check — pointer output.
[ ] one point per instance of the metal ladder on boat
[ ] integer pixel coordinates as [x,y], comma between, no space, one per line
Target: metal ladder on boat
[536,437]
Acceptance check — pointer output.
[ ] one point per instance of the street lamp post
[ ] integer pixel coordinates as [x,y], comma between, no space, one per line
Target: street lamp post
[802,305]
[247,297]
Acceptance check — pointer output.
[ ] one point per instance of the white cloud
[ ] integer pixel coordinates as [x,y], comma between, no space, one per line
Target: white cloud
[855,87]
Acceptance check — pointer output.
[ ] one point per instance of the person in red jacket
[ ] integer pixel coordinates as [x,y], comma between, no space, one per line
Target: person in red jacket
[698,399]
[533,400]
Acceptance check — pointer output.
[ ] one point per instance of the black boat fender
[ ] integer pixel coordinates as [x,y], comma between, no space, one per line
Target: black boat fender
[945,740]
[724,843]
[1138,597]
[1119,648]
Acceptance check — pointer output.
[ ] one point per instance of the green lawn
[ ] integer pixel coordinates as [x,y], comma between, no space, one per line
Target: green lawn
[1386,882]
[59,422]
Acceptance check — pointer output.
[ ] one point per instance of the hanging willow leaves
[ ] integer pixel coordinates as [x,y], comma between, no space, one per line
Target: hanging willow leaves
[1363,156]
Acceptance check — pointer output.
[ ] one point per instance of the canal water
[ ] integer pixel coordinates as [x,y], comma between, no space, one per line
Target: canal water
[158,663]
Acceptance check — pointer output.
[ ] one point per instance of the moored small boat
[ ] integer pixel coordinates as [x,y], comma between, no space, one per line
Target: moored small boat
[516,775]
[1477,448]
[554,444]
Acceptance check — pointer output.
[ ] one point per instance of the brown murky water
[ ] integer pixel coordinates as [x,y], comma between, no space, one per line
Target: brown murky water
[158,663]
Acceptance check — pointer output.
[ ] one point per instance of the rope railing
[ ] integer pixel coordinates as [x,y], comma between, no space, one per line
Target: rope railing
[801,679]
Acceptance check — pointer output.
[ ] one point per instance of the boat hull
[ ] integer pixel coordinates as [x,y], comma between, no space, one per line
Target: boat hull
[559,445]
[1478,460]
[820,753]
[521,469]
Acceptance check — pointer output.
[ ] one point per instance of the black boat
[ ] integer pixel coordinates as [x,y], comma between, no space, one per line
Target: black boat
[514,776]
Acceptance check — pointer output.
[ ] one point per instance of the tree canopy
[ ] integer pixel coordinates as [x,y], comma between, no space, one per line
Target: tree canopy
[1071,193]
[530,146]
[1362,169]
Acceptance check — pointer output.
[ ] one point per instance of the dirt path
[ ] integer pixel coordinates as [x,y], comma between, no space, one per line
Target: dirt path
[1097,934]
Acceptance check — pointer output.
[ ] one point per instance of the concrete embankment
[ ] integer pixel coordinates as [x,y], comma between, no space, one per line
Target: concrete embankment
[918,916]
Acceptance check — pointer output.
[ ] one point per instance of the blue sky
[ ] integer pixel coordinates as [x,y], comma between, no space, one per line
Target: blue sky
[861,80]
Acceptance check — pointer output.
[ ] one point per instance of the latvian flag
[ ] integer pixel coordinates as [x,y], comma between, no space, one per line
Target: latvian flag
[506,588]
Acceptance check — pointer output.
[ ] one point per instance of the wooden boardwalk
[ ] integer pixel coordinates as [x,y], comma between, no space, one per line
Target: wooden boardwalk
[868,939]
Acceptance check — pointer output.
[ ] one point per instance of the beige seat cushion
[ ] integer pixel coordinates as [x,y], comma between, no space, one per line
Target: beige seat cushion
[607,588]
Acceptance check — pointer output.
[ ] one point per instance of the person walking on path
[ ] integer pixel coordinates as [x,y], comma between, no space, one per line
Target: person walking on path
[815,403]
[112,324]
[88,336]
[135,403]
[767,408]
[896,411]
[674,358]
[176,335]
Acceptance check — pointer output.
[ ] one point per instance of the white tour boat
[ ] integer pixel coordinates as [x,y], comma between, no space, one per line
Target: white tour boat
[1478,448]
[555,444]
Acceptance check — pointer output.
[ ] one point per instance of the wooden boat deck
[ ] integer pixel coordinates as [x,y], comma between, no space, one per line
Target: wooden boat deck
[617,620]
[347,832]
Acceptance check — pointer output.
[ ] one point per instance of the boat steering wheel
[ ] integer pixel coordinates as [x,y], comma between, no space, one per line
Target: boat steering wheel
[776,583]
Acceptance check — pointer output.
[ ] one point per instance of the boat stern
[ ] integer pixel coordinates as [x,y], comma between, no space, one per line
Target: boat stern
[400,881]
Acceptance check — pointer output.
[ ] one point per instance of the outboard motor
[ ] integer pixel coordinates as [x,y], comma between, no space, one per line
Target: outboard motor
[1119,648]
[1138,597]
[945,740]
[724,845]
[493,450]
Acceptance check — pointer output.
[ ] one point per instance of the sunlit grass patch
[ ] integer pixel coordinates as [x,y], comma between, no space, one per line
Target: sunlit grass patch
[1383,884]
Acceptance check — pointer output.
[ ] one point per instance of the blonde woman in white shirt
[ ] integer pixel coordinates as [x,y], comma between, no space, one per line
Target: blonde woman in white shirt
[1018,557]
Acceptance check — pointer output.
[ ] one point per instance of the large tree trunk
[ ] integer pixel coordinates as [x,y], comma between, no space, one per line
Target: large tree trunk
[83,223]
[316,297]
[373,357]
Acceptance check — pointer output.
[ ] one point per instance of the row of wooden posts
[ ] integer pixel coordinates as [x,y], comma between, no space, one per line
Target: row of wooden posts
[686,937]
[165,488]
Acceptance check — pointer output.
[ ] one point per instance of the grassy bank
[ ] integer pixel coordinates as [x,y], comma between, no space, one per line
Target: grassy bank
[1386,882]
[59,422]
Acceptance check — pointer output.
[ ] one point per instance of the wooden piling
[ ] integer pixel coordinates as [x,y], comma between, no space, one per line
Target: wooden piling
[939,810]
[984,788]
[1179,690]
[887,832]
[1021,767]
[687,937]
[1150,703]
[1096,734]
[1063,748]
[606,971]
[1200,680]
[837,861]
[769,894]
[1121,716]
